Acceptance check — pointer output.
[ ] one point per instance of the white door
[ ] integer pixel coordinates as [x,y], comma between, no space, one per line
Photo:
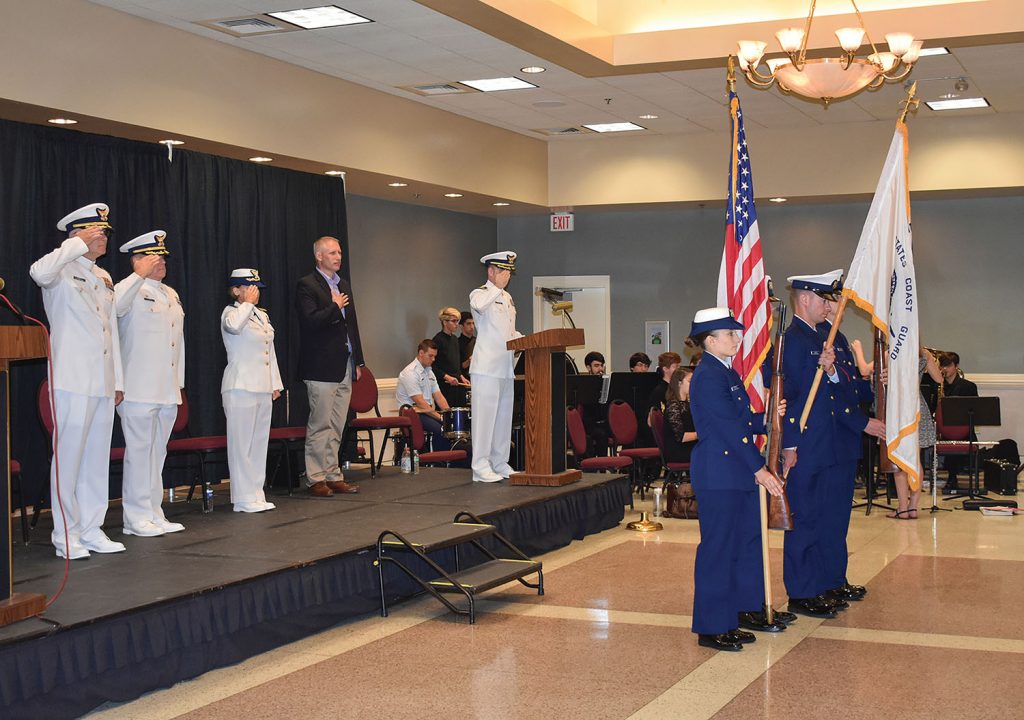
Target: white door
[591,310]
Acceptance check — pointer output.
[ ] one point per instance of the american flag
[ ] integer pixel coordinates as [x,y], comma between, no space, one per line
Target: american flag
[741,283]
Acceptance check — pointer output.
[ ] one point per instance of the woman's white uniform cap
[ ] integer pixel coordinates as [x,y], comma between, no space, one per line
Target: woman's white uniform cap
[716,318]
[245,276]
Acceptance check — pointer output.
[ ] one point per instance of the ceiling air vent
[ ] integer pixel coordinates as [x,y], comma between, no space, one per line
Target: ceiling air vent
[563,131]
[249,26]
[437,89]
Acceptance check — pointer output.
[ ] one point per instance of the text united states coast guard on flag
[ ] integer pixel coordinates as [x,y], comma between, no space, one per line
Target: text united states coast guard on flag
[882,282]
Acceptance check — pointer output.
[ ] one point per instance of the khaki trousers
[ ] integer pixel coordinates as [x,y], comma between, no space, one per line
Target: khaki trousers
[328,414]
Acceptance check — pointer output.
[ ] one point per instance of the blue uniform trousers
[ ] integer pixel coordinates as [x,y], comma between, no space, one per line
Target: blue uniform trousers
[835,504]
[728,575]
[803,571]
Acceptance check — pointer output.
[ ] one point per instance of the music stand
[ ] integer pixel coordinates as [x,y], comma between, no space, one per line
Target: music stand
[871,474]
[972,412]
[582,390]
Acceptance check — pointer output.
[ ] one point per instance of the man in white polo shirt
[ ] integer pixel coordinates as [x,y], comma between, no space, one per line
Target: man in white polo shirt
[418,388]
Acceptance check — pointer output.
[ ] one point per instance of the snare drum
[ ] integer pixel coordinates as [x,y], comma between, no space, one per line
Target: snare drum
[456,424]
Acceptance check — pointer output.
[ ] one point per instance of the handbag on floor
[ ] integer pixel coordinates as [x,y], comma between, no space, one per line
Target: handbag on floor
[680,502]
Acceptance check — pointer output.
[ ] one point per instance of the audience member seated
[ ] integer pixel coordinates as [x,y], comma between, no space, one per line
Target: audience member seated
[639,363]
[954,384]
[467,340]
[594,362]
[418,388]
[680,432]
[668,363]
[448,366]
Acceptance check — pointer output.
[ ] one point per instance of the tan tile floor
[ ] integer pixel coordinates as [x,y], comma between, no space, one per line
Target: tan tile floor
[939,636]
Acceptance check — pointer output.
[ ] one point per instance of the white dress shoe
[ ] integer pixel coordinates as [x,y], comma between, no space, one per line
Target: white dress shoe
[268,505]
[102,544]
[487,477]
[504,470]
[251,507]
[77,552]
[146,528]
[167,526]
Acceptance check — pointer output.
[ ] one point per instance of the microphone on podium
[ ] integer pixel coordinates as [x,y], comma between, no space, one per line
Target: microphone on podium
[10,303]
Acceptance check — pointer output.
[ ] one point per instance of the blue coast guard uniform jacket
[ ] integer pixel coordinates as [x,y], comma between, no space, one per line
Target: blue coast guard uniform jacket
[725,457]
[851,393]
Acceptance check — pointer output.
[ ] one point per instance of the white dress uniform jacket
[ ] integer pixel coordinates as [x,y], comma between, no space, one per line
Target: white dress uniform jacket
[79,300]
[151,326]
[249,341]
[495,316]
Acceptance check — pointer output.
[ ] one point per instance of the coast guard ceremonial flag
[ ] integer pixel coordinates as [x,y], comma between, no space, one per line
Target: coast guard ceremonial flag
[882,282]
[741,281]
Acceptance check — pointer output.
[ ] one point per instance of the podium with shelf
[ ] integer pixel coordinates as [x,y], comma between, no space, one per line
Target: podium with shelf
[16,343]
[545,407]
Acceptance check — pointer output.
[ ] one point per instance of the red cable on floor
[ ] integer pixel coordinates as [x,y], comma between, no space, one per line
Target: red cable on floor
[56,463]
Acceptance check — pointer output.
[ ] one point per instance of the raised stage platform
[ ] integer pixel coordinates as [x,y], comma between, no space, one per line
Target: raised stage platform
[234,584]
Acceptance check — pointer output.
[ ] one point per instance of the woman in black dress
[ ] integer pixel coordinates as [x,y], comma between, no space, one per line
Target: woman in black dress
[680,433]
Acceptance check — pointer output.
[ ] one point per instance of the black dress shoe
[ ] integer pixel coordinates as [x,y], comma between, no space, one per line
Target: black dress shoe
[836,602]
[741,636]
[757,621]
[813,607]
[841,593]
[786,618]
[859,590]
[719,642]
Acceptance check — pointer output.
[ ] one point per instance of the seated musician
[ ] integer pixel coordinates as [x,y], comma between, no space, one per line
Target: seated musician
[594,362]
[954,384]
[680,433]
[418,388]
[448,367]
[639,363]
[595,419]
[668,363]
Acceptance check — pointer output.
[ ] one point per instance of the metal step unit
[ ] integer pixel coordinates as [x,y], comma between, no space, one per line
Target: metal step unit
[465,530]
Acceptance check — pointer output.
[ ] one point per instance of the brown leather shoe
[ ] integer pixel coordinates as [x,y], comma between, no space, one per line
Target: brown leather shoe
[340,486]
[320,489]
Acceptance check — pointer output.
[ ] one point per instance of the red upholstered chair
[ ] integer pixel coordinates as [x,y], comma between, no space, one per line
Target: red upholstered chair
[623,427]
[204,450]
[416,438]
[673,470]
[953,440]
[364,400]
[578,440]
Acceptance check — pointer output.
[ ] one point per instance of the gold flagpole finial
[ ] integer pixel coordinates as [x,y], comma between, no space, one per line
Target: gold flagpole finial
[909,102]
[731,75]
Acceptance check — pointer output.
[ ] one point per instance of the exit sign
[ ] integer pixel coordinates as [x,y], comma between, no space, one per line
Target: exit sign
[562,222]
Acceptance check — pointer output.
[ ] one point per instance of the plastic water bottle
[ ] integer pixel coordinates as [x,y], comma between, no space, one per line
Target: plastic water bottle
[415,462]
[657,501]
[406,464]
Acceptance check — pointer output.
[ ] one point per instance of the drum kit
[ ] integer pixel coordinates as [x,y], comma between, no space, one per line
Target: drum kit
[456,424]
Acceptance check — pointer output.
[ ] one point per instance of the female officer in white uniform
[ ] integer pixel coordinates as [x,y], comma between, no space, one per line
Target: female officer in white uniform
[252,381]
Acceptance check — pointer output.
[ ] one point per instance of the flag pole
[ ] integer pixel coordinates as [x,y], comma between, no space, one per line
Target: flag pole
[909,103]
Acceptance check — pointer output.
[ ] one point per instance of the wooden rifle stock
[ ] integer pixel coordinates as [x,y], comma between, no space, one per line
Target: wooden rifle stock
[885,465]
[780,517]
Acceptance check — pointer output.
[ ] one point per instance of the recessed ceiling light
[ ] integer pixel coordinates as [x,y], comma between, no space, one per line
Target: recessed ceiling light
[925,52]
[532,69]
[453,195]
[320,17]
[501,204]
[777,200]
[958,104]
[260,158]
[62,121]
[397,184]
[614,127]
[171,142]
[495,84]
[335,173]
[648,116]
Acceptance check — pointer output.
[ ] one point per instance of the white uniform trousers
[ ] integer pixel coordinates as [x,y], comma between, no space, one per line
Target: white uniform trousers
[84,425]
[147,428]
[328,414]
[492,422]
[248,415]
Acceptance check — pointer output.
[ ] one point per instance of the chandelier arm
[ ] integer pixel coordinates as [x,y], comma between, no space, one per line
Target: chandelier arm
[877,82]
[807,36]
[860,19]
[752,71]
[906,71]
[756,79]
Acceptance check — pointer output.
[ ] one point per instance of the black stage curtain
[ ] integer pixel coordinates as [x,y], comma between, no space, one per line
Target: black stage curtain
[219,214]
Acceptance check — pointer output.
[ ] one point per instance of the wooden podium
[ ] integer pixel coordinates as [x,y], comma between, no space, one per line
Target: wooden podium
[16,343]
[545,407]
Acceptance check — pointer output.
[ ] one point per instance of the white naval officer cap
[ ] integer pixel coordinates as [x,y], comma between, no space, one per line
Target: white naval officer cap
[91,215]
[151,243]
[505,260]
[826,285]
[245,276]
[716,318]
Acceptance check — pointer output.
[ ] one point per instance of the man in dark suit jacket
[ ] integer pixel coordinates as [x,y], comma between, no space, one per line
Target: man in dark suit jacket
[329,354]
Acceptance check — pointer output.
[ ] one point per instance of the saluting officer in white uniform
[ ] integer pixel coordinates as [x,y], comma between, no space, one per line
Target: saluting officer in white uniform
[150,323]
[491,369]
[86,380]
[252,381]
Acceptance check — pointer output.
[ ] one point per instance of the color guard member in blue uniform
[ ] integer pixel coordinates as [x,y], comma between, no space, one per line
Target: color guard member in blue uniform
[725,468]
[809,456]
[837,494]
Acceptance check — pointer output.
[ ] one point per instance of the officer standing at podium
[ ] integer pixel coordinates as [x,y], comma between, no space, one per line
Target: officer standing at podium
[491,369]
[79,299]
[150,324]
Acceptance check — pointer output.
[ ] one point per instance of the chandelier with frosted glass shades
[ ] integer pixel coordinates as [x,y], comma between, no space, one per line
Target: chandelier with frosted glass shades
[829,78]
